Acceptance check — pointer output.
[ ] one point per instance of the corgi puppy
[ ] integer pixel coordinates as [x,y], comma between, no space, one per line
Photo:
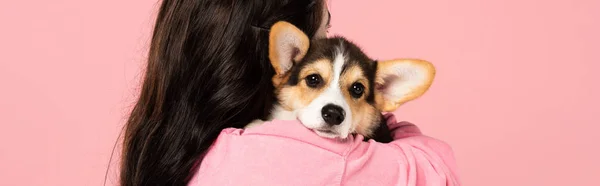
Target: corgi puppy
[334,89]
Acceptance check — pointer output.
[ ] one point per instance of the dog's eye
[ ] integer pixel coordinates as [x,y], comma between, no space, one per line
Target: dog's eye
[313,80]
[357,90]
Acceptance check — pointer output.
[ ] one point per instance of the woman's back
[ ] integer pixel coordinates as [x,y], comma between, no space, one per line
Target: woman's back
[286,153]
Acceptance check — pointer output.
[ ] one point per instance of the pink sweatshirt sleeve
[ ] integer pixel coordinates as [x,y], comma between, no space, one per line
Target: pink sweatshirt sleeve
[429,161]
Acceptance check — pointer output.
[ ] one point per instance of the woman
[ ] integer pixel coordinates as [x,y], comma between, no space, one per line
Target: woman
[208,70]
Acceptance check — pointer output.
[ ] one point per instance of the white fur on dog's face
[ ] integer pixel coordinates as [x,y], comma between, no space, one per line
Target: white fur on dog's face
[311,115]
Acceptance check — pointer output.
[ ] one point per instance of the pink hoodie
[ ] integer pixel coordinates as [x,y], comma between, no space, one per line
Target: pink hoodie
[286,153]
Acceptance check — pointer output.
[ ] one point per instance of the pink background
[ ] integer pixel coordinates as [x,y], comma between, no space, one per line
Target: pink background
[516,93]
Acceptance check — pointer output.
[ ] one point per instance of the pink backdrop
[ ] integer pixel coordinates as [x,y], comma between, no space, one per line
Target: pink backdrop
[515,95]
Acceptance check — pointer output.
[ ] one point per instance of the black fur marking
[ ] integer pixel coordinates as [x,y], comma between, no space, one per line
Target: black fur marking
[316,51]
[382,134]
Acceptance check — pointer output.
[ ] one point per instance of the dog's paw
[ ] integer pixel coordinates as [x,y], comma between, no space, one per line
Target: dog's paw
[254,123]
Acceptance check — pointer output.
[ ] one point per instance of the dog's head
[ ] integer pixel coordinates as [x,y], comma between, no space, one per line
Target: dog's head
[334,88]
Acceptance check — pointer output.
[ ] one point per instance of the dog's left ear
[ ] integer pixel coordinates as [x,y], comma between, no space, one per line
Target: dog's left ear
[287,46]
[400,81]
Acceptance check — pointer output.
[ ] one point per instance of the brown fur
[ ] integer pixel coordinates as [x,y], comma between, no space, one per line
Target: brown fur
[364,114]
[294,97]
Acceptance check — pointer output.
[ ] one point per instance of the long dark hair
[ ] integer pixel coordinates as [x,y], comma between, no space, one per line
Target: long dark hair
[207,70]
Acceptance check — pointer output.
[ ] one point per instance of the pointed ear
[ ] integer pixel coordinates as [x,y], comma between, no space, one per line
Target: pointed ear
[402,80]
[287,45]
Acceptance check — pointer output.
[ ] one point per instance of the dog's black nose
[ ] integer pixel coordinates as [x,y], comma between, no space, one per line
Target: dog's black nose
[333,114]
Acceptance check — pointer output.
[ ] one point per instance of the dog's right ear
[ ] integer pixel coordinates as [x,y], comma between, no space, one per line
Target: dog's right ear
[401,80]
[287,46]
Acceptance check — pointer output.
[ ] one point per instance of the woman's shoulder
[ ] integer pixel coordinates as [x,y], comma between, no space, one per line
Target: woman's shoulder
[279,151]
[292,139]
[283,132]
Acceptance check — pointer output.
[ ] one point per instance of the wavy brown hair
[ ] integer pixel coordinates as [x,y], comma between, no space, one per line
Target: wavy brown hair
[207,70]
